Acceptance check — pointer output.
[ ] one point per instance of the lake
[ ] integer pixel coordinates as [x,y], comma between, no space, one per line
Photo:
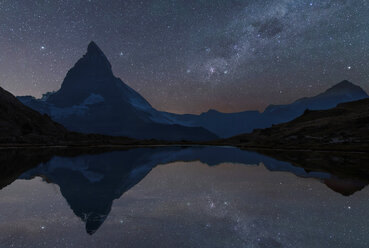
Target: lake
[183,197]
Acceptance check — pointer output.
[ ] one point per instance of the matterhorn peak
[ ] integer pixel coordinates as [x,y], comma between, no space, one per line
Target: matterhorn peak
[96,56]
[91,74]
[93,49]
[93,46]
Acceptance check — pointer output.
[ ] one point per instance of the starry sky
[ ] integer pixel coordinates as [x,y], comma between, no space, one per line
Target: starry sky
[194,55]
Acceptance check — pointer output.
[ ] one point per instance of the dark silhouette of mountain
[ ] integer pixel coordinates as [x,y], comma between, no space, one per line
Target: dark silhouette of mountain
[92,74]
[90,183]
[344,127]
[20,124]
[231,124]
[342,92]
[92,100]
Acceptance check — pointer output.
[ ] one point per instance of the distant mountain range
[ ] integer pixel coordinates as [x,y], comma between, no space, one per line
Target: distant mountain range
[231,124]
[345,127]
[92,100]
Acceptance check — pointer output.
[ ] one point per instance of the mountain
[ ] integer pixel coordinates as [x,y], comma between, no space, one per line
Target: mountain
[20,124]
[231,124]
[342,92]
[92,100]
[345,127]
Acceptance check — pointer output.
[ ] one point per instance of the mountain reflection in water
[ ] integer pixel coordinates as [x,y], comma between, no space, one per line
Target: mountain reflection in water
[91,182]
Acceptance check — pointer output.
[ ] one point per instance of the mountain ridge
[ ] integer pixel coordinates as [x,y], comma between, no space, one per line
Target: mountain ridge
[92,100]
[230,124]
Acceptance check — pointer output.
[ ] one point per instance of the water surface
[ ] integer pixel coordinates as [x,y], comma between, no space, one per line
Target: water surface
[183,197]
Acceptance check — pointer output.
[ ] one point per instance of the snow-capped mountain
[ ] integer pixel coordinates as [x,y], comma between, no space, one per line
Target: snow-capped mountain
[92,100]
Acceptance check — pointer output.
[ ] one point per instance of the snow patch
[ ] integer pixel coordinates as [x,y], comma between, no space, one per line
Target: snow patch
[56,112]
[93,99]
[139,103]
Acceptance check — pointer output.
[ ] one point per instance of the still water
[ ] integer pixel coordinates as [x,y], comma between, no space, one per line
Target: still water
[182,197]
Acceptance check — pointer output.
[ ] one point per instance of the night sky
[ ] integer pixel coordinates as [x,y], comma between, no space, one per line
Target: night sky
[187,56]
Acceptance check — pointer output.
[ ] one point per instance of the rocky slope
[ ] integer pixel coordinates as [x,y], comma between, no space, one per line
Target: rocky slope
[344,127]
[20,124]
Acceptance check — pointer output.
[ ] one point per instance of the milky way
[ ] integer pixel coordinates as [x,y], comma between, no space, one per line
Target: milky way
[189,56]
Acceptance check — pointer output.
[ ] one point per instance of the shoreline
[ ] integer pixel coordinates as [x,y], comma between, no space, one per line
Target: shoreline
[133,146]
